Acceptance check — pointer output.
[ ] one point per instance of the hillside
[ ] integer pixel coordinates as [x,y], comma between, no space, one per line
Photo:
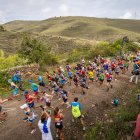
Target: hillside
[79,27]
[66,33]
[10,42]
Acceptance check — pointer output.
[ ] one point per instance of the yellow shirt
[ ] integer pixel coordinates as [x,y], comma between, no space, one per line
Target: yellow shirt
[91,74]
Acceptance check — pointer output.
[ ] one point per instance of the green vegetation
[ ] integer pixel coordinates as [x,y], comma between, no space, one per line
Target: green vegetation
[103,48]
[67,33]
[120,126]
[35,52]
[11,61]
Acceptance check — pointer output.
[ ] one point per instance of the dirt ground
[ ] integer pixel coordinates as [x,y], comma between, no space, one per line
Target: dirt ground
[15,129]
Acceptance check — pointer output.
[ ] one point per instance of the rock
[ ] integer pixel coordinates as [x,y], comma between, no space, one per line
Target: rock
[92,123]
[93,106]
[111,121]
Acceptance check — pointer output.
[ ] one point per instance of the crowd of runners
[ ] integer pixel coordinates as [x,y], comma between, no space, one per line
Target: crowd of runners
[82,76]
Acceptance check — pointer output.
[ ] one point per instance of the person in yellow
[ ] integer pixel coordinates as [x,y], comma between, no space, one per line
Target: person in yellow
[76,112]
[91,76]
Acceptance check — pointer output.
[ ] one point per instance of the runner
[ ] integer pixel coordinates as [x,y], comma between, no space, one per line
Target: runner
[75,80]
[70,75]
[135,72]
[47,98]
[108,79]
[55,88]
[101,78]
[115,102]
[91,76]
[41,82]
[83,84]
[117,71]
[30,117]
[35,89]
[121,65]
[29,99]
[58,117]
[64,95]
[1,102]
[126,66]
[14,88]
[76,112]
[44,126]
[17,79]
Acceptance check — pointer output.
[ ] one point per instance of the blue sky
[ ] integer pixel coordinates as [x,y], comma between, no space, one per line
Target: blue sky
[43,9]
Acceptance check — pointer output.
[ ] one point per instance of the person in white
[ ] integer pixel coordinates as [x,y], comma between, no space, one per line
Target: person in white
[45,117]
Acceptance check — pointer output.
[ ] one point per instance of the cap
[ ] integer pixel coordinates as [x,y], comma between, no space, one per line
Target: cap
[25,92]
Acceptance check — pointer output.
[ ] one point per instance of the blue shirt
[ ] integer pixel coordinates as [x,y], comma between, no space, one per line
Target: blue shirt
[135,67]
[76,104]
[69,73]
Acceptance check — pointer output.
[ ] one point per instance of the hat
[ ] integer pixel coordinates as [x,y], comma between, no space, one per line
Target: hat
[25,92]
[24,106]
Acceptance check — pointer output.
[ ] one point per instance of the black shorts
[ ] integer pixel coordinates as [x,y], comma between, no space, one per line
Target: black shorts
[42,84]
[48,104]
[108,80]
[80,117]
[59,126]
[101,80]
[113,69]
[65,100]
[76,83]
[117,73]
[83,86]
[70,77]
[121,68]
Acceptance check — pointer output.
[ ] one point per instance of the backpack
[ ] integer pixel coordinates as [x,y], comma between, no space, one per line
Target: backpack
[76,111]
[45,128]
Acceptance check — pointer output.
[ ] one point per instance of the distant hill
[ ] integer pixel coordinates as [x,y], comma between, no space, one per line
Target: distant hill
[79,27]
[66,33]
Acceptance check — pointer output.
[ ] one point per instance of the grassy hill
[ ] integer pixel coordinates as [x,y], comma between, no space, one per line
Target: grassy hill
[79,27]
[66,33]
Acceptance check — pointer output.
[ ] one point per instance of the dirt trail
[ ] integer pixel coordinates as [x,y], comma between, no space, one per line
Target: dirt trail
[15,129]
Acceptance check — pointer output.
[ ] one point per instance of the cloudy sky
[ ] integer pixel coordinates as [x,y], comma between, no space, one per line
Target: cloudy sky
[43,9]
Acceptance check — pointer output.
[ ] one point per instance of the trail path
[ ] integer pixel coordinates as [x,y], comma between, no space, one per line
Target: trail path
[15,129]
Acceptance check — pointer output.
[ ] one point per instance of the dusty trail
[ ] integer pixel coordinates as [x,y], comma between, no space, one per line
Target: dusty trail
[15,129]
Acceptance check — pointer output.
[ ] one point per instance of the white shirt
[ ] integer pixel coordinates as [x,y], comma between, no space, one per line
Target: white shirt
[45,136]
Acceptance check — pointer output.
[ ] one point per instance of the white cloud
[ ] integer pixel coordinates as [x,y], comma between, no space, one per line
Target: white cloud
[46,10]
[64,9]
[127,15]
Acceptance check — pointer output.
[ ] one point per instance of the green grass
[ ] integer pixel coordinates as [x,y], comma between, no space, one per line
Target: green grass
[121,121]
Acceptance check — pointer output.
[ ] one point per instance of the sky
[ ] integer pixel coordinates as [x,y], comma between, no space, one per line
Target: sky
[42,9]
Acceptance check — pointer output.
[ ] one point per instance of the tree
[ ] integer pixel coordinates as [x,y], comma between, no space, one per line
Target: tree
[35,52]
[32,50]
